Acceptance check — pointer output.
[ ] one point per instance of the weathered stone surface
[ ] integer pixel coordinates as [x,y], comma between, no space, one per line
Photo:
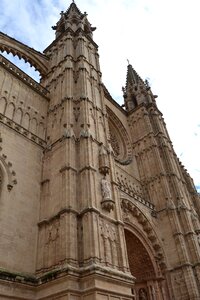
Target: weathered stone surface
[94,203]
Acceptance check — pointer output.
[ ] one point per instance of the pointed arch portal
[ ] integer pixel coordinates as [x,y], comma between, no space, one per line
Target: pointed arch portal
[143,267]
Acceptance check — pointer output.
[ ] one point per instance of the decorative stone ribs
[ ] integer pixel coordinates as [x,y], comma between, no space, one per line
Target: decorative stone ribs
[132,212]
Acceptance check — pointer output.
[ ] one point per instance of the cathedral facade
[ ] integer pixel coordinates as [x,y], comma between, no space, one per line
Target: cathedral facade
[94,203]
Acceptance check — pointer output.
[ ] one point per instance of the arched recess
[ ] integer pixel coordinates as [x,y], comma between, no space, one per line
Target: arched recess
[35,58]
[142,266]
[3,105]
[10,109]
[145,254]
[119,139]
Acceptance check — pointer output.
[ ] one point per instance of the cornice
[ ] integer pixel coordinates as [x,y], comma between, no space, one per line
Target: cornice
[21,130]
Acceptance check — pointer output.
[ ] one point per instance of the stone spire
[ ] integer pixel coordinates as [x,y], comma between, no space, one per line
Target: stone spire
[136,91]
[132,76]
[73,19]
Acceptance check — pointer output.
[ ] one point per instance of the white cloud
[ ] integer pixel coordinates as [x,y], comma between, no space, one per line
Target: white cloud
[160,38]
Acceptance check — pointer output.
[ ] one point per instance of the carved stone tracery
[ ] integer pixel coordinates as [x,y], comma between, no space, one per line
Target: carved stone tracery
[114,143]
[119,139]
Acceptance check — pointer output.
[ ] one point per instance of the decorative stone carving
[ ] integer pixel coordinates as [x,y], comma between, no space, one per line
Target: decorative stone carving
[129,211]
[119,139]
[85,132]
[109,239]
[53,232]
[142,294]
[107,202]
[170,204]
[11,175]
[68,131]
[195,222]
[103,161]
[181,204]
[115,144]
[76,112]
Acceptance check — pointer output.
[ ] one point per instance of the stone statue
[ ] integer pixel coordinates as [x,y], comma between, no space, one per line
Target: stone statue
[142,295]
[106,189]
[103,161]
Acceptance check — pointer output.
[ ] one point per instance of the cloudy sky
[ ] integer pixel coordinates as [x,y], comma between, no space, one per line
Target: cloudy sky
[160,39]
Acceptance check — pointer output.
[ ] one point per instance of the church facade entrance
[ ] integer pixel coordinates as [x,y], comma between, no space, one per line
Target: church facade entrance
[148,283]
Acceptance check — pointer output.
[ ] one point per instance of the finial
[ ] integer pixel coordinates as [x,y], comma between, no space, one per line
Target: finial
[128,61]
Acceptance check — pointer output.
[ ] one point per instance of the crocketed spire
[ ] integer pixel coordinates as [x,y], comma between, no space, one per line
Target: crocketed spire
[136,90]
[73,19]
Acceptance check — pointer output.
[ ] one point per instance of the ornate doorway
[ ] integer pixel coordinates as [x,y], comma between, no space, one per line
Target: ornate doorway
[143,267]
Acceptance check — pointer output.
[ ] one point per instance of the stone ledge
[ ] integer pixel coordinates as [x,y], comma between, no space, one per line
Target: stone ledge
[21,130]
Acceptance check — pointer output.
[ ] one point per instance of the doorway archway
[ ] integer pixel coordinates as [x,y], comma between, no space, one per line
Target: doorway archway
[143,267]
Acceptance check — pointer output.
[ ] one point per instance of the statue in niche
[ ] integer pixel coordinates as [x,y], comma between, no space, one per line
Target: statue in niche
[142,294]
[106,189]
[103,161]
[107,202]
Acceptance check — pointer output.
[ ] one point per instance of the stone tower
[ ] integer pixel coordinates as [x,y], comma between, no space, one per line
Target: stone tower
[94,203]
